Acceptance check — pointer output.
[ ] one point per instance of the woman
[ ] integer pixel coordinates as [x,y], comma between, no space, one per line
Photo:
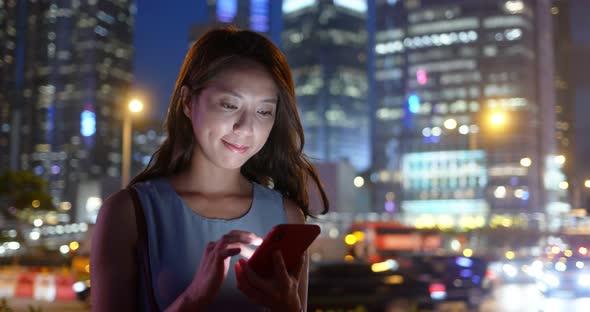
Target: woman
[172,240]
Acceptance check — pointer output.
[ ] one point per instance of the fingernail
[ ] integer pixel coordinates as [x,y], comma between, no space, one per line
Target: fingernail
[256,241]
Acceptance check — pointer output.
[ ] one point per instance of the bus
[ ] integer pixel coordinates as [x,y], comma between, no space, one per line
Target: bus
[376,241]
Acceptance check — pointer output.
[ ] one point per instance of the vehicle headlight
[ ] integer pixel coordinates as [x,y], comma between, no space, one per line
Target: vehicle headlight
[584,280]
[79,286]
[509,270]
[551,280]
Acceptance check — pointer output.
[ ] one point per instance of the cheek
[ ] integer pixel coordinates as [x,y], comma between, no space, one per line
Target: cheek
[205,123]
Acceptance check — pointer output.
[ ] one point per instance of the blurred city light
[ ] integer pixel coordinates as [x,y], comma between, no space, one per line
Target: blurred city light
[564,185]
[526,162]
[421,77]
[74,245]
[560,159]
[498,118]
[450,124]
[514,6]
[350,239]
[509,255]
[359,181]
[464,129]
[135,106]
[414,103]
[587,183]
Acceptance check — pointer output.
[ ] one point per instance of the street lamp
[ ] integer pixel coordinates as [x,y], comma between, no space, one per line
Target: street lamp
[498,119]
[135,106]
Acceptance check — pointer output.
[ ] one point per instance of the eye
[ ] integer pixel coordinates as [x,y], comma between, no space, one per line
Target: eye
[265,113]
[228,105]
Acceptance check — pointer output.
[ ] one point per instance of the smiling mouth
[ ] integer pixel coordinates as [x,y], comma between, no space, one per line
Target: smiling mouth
[235,148]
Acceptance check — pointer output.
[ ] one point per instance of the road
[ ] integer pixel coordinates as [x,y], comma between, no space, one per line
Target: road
[506,298]
[526,298]
[19,304]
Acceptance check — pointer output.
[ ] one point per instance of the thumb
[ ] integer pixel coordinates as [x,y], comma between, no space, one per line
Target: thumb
[299,267]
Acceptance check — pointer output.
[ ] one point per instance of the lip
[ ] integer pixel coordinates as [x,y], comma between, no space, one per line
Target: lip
[235,148]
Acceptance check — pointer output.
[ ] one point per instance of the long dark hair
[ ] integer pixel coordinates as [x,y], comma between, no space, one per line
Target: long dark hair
[281,161]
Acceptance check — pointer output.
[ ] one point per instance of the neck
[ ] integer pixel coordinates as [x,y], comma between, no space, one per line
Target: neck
[205,178]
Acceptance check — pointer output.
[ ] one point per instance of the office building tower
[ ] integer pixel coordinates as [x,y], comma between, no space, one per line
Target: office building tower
[148,135]
[564,105]
[256,15]
[325,43]
[565,93]
[8,27]
[465,113]
[76,73]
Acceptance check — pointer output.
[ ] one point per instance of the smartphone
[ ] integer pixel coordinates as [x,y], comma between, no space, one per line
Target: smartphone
[290,239]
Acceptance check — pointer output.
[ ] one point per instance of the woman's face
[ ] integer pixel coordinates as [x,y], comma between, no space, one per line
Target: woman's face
[233,115]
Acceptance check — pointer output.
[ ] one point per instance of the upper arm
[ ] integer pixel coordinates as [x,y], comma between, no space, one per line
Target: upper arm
[113,260]
[295,215]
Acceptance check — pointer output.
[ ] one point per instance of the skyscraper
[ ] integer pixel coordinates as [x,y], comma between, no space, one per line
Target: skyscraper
[564,106]
[256,15]
[325,43]
[464,132]
[76,71]
[8,26]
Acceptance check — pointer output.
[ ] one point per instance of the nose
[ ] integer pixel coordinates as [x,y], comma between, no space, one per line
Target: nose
[245,124]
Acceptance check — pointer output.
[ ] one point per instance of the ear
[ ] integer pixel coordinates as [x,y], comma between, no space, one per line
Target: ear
[185,100]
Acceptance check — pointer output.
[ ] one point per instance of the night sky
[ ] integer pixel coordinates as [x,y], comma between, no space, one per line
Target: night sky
[161,41]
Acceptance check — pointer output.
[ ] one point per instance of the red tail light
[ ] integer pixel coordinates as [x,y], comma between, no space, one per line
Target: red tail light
[437,288]
[490,274]
[437,291]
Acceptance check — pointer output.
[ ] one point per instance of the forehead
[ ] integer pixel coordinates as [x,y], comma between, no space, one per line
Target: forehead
[245,77]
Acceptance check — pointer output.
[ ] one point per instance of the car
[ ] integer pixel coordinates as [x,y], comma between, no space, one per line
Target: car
[565,275]
[453,279]
[522,270]
[364,287]
[403,283]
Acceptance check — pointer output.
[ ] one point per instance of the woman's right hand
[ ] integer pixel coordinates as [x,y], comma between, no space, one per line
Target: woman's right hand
[215,265]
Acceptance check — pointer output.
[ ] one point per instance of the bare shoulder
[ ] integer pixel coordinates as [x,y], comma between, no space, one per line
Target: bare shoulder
[293,211]
[113,255]
[118,216]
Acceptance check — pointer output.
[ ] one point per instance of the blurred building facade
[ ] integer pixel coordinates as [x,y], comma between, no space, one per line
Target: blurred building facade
[148,135]
[465,113]
[564,101]
[325,42]
[8,26]
[71,86]
[262,16]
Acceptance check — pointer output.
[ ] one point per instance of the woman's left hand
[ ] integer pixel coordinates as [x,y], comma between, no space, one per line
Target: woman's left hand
[279,293]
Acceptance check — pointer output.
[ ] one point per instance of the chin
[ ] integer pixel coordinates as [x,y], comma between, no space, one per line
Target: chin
[232,163]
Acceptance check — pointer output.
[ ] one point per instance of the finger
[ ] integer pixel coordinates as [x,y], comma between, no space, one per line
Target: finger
[299,266]
[246,252]
[232,237]
[210,246]
[246,288]
[228,252]
[222,244]
[259,283]
[248,237]
[280,270]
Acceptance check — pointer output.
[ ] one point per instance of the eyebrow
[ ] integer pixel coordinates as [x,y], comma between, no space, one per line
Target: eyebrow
[236,94]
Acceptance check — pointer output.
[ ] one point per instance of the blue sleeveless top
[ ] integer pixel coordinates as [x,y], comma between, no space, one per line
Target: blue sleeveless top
[177,237]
